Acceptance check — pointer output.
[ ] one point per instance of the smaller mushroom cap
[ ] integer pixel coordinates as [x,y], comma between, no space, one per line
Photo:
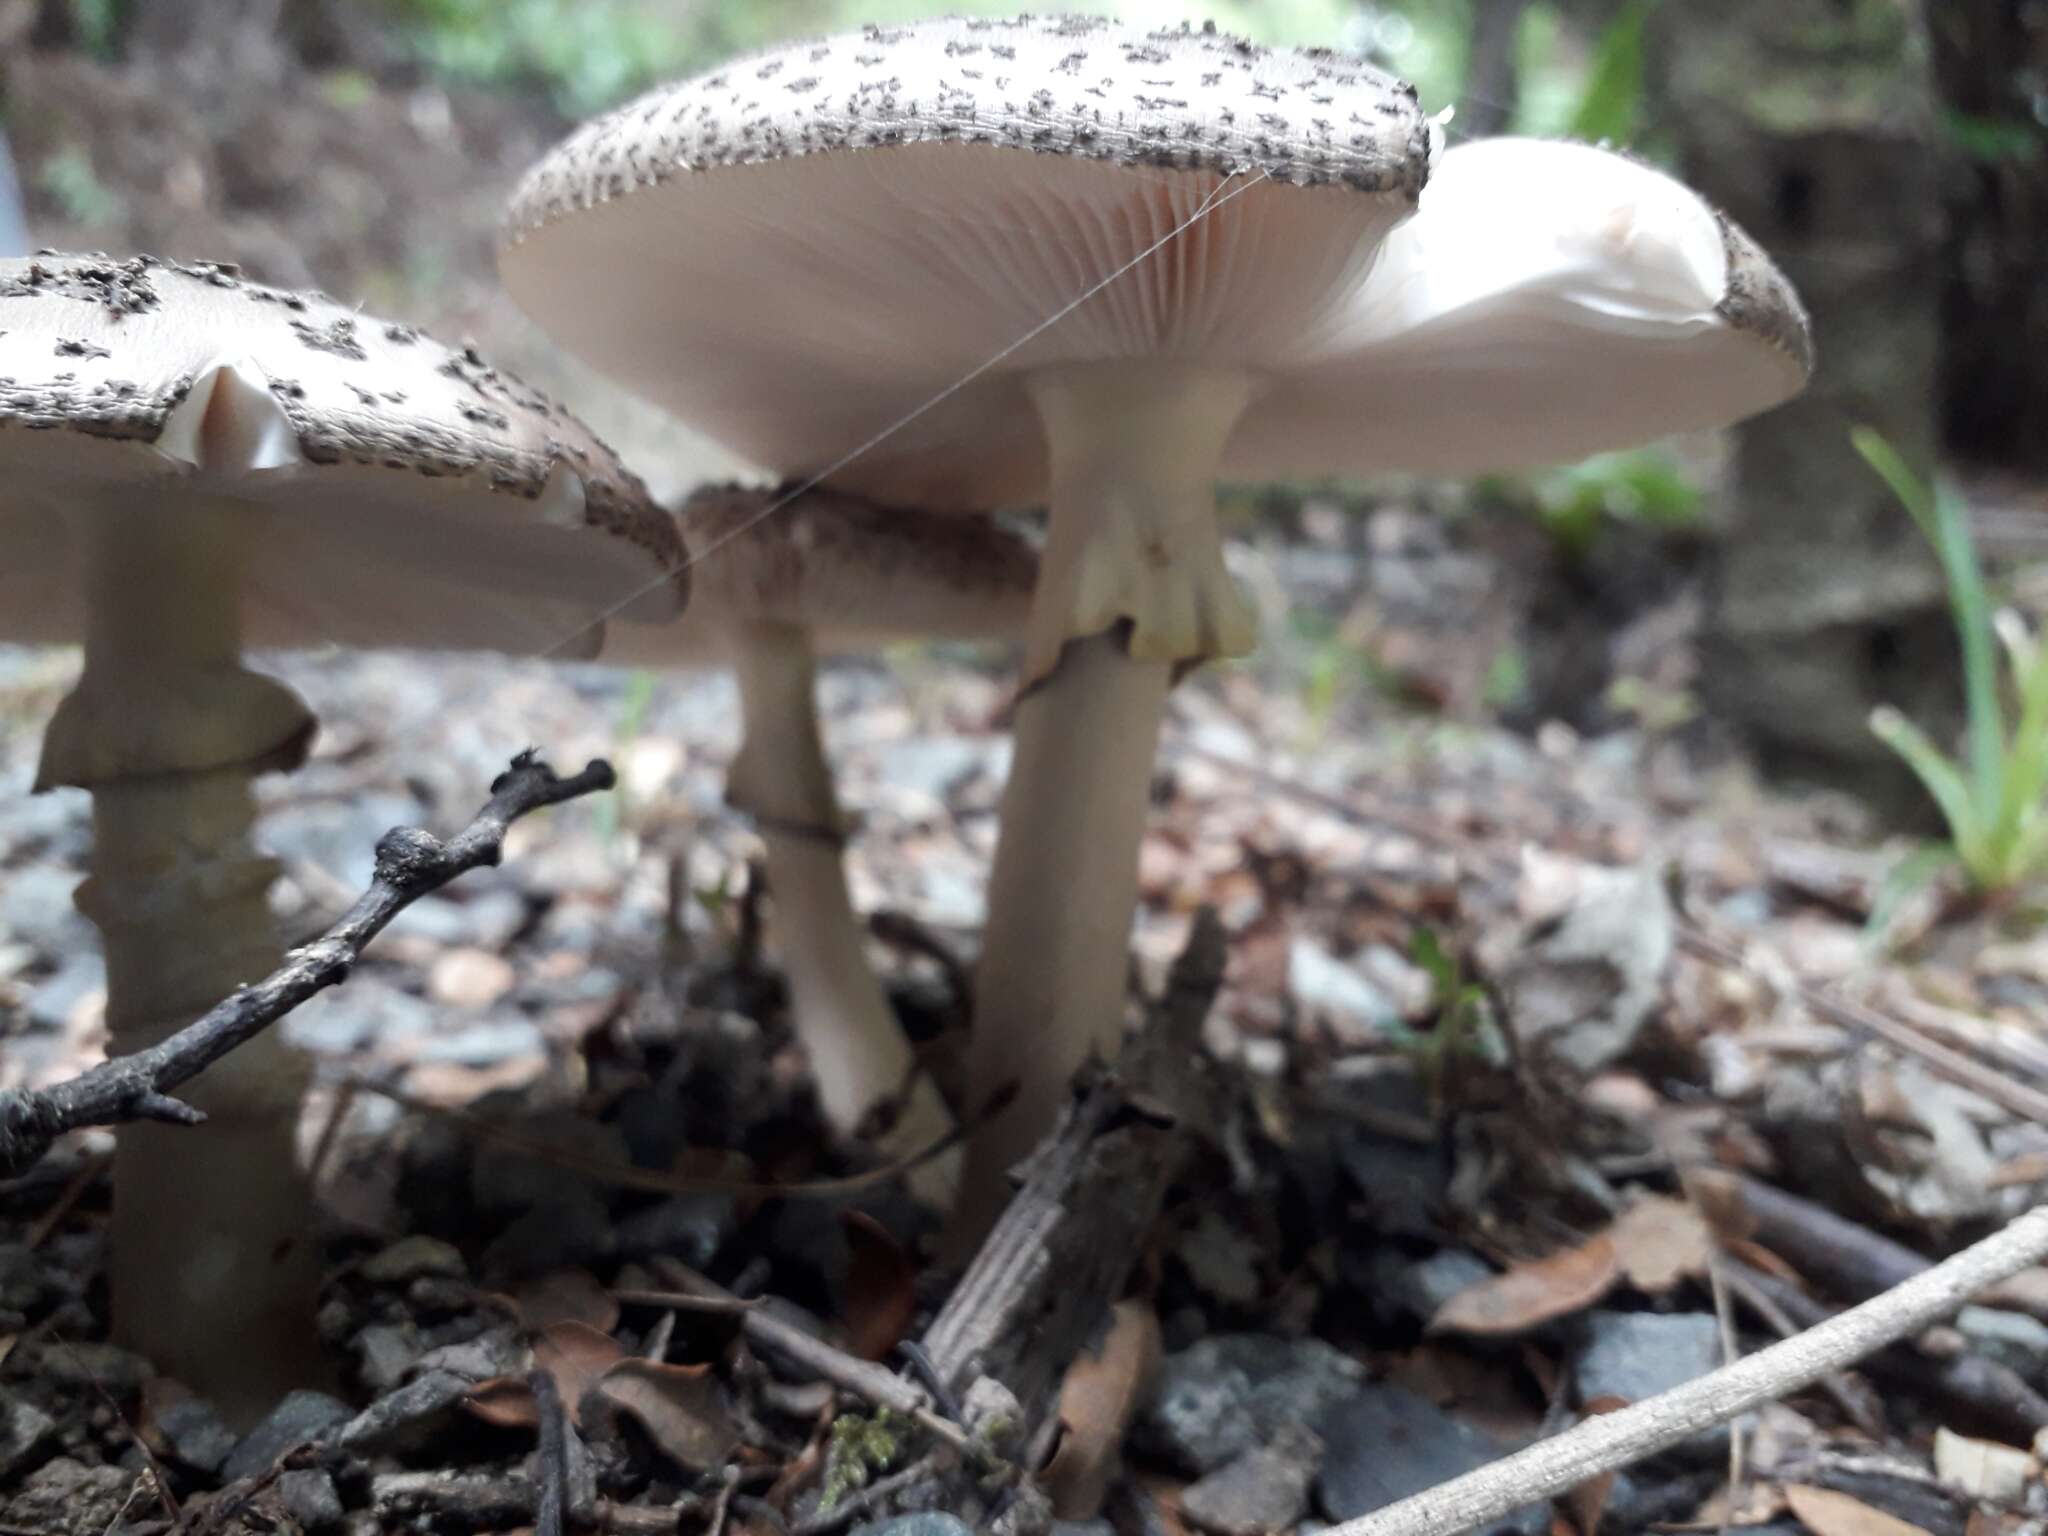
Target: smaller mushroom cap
[1549,300]
[385,489]
[853,574]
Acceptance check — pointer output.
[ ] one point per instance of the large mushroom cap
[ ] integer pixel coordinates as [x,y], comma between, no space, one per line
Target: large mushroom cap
[387,490]
[841,232]
[850,573]
[1550,300]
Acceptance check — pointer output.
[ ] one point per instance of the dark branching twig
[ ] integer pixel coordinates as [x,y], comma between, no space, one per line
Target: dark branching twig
[551,1459]
[410,864]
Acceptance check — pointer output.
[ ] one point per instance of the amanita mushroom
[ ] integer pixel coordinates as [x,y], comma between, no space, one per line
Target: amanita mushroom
[1196,272]
[777,581]
[193,463]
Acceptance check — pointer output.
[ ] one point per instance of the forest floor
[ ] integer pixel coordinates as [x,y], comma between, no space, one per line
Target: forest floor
[1501,1120]
[1492,1119]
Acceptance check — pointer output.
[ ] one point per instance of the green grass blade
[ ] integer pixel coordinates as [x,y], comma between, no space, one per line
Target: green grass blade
[1944,782]
[1613,99]
[1945,521]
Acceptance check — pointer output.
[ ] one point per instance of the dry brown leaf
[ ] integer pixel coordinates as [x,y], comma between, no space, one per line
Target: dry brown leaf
[566,1296]
[577,1356]
[1660,1242]
[506,1401]
[681,1407]
[1529,1294]
[1164,1494]
[1098,1397]
[1828,1513]
[1728,1506]
[1718,1193]
[1760,1258]
[881,1287]
[1997,1522]
[2026,1292]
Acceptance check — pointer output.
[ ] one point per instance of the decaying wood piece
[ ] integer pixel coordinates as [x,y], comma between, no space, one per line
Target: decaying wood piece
[1042,1285]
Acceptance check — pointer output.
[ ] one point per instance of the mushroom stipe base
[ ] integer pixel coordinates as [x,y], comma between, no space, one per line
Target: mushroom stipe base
[215,1276]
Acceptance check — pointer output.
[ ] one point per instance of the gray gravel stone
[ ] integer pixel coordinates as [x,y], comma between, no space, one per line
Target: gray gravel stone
[385,1352]
[1384,1443]
[196,1434]
[1264,1490]
[309,1496]
[1401,1289]
[105,1367]
[1635,1355]
[1230,1393]
[2012,1339]
[35,907]
[66,1498]
[301,1417]
[929,1523]
[57,997]
[496,1353]
[367,1011]
[408,1416]
[26,1432]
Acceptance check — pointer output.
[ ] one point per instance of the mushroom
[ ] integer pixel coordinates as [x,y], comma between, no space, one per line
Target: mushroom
[1197,272]
[779,577]
[194,462]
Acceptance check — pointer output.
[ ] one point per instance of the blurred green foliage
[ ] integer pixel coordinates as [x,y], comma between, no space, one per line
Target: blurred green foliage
[68,179]
[589,54]
[1994,794]
[97,24]
[1644,486]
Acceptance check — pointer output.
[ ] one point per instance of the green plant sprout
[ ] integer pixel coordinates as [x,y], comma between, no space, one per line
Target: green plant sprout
[1467,1030]
[1992,796]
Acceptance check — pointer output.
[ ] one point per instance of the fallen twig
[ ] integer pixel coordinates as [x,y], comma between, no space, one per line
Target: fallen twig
[410,863]
[874,1383]
[1853,1397]
[488,1503]
[1984,1390]
[551,1457]
[1618,1439]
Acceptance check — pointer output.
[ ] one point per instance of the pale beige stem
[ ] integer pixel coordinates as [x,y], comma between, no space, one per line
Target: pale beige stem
[858,1052]
[1131,588]
[214,1269]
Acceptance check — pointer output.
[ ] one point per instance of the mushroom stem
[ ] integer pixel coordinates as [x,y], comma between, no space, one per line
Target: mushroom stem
[859,1056]
[1132,589]
[215,1271]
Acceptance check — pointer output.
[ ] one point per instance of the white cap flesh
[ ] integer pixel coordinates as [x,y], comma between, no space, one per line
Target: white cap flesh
[1549,300]
[849,573]
[387,490]
[837,233]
